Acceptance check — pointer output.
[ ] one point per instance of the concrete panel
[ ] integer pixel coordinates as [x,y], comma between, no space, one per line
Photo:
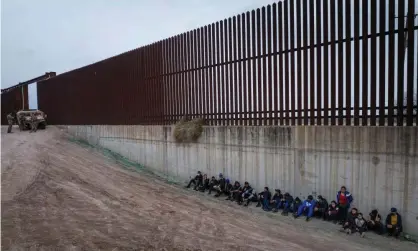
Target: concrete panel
[378,165]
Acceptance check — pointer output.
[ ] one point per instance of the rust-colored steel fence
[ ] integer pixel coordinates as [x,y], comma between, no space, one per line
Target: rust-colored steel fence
[13,100]
[319,62]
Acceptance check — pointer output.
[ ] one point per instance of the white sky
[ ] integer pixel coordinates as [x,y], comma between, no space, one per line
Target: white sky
[47,35]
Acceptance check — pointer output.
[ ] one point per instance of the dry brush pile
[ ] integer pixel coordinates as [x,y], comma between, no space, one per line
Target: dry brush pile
[187,131]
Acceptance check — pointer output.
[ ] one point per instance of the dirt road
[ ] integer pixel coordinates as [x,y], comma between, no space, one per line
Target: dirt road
[59,195]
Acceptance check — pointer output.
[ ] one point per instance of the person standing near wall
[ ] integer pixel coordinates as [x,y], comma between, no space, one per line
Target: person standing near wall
[33,123]
[10,120]
[344,200]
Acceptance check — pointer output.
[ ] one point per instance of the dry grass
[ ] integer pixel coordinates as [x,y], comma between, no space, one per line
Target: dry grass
[187,131]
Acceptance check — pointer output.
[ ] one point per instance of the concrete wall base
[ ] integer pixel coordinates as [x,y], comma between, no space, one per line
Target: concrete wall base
[379,165]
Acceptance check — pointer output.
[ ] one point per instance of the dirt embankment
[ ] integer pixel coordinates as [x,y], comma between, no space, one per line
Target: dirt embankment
[57,195]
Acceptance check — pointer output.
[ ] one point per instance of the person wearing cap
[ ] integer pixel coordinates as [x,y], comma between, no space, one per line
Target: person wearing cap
[306,208]
[344,200]
[277,200]
[287,202]
[320,207]
[350,221]
[374,223]
[196,181]
[394,223]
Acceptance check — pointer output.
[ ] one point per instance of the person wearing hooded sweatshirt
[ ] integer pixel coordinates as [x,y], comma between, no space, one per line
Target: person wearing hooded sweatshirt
[287,201]
[344,200]
[264,199]
[235,192]
[295,205]
[332,212]
[374,223]
[307,208]
[277,200]
[246,192]
[320,207]
[196,181]
[350,221]
[394,223]
[359,225]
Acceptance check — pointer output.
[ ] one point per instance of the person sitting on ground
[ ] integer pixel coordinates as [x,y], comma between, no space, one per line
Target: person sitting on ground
[320,207]
[277,200]
[234,193]
[196,181]
[246,192]
[394,223]
[350,221]
[264,199]
[212,183]
[295,205]
[332,212]
[344,199]
[287,201]
[252,198]
[374,223]
[205,183]
[221,186]
[359,225]
[307,208]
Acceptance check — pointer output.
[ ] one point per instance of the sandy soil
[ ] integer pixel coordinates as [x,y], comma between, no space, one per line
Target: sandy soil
[59,195]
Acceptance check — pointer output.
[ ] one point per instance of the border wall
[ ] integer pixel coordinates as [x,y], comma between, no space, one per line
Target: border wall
[379,165]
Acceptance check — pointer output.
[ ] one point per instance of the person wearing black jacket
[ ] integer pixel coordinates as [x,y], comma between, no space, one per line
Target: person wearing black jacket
[374,223]
[295,205]
[264,199]
[277,200]
[287,201]
[221,186]
[245,193]
[197,181]
[394,223]
[205,183]
[349,224]
[321,207]
[332,212]
[235,191]
[212,183]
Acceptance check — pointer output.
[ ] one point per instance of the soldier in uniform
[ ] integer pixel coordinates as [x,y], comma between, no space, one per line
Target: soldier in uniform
[10,120]
[33,123]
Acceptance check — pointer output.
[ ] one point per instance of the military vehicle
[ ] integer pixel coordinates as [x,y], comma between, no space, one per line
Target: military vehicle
[24,119]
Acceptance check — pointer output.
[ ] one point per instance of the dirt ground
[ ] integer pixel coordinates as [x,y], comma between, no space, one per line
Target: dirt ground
[60,195]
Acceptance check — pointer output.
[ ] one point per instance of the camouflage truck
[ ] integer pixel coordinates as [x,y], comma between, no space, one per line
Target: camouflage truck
[24,119]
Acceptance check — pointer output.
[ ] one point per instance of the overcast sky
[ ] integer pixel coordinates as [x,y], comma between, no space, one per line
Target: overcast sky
[49,35]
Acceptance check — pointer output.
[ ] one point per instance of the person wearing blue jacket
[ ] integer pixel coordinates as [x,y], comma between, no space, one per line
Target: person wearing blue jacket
[344,200]
[307,208]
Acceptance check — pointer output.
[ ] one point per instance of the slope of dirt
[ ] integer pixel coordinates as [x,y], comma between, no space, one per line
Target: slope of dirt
[58,195]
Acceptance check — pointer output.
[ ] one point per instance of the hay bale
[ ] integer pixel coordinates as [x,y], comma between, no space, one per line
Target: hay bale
[186,131]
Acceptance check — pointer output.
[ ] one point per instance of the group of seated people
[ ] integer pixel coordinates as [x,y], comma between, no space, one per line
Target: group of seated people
[337,211]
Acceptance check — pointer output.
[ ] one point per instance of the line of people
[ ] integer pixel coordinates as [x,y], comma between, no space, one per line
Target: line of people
[338,211]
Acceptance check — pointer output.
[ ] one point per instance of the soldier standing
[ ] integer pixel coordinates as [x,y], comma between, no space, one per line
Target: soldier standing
[33,123]
[10,120]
